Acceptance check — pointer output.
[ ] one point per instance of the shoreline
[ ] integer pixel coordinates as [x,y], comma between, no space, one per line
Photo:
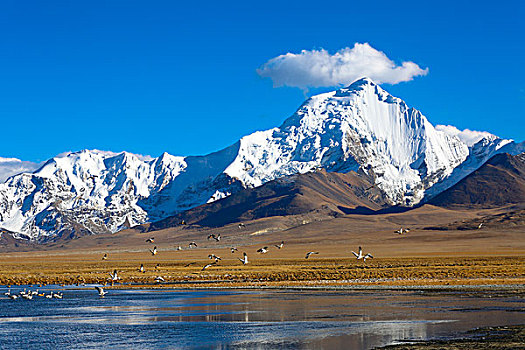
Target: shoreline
[498,337]
[516,288]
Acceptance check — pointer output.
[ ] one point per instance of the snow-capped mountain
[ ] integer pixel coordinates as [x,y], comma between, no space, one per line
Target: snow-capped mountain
[357,127]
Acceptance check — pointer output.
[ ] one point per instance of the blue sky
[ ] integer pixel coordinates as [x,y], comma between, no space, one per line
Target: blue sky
[149,77]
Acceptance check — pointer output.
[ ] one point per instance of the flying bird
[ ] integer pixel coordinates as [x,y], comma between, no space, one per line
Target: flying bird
[101,291]
[157,267]
[105,257]
[244,260]
[192,244]
[141,269]
[213,256]
[263,250]
[189,264]
[159,279]
[241,226]
[150,240]
[480,226]
[280,245]
[361,256]
[179,248]
[114,276]
[207,266]
[310,253]
[217,238]
[233,249]
[402,230]
[154,251]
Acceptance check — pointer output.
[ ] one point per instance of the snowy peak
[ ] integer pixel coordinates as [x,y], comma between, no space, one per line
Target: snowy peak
[363,126]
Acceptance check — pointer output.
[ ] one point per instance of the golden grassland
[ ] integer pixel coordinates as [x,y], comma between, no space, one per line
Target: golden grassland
[492,255]
[76,269]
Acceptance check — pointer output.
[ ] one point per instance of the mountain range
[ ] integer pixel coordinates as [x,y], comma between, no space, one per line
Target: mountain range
[375,150]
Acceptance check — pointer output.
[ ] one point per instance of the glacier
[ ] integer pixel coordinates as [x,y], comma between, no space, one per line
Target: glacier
[360,127]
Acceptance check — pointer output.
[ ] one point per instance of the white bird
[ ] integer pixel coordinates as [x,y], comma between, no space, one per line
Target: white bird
[49,296]
[101,291]
[8,293]
[263,250]
[57,295]
[244,260]
[279,246]
[114,276]
[361,256]
[179,248]
[241,226]
[142,269]
[233,249]
[159,279]
[480,225]
[213,256]
[310,253]
[207,266]
[105,257]
[154,251]
[13,296]
[192,244]
[400,231]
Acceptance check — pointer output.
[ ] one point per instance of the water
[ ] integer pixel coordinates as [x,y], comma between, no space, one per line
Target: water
[223,319]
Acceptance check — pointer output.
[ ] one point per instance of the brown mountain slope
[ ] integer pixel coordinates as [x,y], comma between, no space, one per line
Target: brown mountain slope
[500,181]
[330,194]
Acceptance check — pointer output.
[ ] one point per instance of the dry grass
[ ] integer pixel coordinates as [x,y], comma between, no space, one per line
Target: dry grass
[491,255]
[74,269]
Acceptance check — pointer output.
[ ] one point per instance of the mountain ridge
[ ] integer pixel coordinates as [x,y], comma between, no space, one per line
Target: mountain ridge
[498,182]
[358,128]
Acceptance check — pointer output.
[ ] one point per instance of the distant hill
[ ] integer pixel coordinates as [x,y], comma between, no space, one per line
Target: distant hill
[498,182]
[328,194]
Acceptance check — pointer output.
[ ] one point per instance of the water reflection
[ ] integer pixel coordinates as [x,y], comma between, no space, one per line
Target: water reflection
[246,319]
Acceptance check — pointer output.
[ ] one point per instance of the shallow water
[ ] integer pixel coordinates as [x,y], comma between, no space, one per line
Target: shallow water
[223,319]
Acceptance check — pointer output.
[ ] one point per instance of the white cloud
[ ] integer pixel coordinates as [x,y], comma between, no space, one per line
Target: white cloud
[318,68]
[13,166]
[470,137]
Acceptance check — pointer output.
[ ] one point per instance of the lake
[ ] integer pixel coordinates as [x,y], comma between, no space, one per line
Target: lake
[238,319]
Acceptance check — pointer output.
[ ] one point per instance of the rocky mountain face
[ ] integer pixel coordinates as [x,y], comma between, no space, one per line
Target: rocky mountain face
[358,128]
[500,181]
[319,194]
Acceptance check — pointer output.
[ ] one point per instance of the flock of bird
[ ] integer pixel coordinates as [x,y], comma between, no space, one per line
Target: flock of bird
[30,294]
[113,277]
